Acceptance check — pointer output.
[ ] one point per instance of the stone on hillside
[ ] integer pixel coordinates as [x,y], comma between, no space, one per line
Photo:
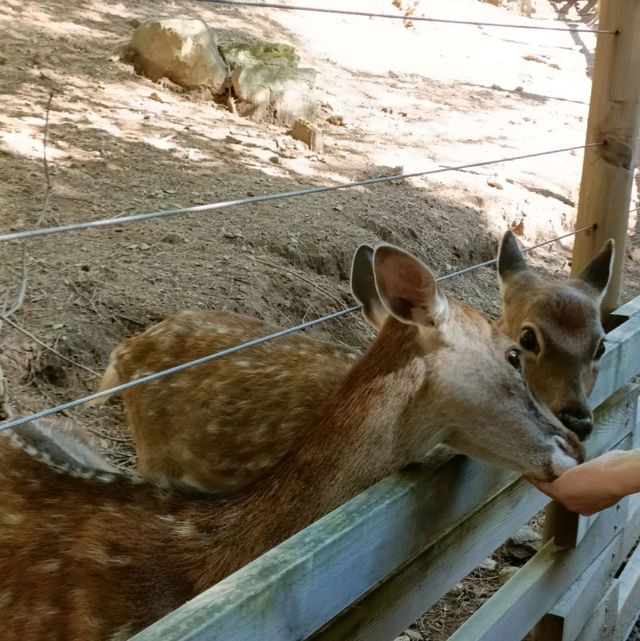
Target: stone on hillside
[281,92]
[249,54]
[309,134]
[183,50]
[524,544]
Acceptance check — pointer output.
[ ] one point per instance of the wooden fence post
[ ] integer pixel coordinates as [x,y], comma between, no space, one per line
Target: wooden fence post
[614,117]
[605,190]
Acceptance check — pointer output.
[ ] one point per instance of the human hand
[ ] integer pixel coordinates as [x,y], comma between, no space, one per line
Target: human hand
[596,484]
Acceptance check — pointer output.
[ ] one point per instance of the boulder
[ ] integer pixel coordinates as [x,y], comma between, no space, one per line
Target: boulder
[276,91]
[183,50]
[248,54]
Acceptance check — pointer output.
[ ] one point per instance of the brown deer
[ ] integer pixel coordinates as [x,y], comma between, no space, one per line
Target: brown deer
[206,428]
[95,559]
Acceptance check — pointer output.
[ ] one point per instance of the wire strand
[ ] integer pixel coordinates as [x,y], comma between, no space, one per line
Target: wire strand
[392,16]
[251,200]
[6,425]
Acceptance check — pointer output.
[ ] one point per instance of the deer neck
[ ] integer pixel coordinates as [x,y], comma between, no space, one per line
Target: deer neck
[359,441]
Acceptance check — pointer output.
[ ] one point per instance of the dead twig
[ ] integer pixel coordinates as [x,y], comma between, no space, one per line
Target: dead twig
[22,292]
[35,339]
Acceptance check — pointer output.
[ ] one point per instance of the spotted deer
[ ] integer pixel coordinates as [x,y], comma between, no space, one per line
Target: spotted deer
[84,559]
[206,428]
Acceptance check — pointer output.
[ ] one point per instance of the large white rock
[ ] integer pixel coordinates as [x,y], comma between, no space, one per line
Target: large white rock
[275,91]
[183,50]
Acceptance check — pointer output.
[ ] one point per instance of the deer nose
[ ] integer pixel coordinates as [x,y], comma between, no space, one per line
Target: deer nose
[578,419]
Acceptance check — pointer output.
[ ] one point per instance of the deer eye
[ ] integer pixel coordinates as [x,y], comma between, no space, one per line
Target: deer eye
[528,340]
[513,356]
[599,351]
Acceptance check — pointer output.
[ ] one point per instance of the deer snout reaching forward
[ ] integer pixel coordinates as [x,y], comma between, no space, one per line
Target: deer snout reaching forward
[566,451]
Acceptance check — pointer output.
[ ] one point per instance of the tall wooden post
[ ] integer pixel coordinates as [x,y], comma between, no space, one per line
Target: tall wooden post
[605,192]
[614,117]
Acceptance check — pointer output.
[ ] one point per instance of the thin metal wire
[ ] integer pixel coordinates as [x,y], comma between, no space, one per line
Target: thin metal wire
[6,425]
[368,14]
[252,200]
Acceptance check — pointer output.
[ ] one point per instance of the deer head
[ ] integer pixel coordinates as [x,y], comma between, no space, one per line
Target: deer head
[466,362]
[557,326]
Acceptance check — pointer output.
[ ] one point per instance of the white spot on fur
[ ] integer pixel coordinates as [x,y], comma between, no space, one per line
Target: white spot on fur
[11,519]
[185,529]
[52,565]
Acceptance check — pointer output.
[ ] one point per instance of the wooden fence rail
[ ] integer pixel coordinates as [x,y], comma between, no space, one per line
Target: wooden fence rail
[370,567]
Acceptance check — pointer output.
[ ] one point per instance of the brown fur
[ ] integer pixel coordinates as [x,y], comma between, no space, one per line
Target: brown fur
[89,560]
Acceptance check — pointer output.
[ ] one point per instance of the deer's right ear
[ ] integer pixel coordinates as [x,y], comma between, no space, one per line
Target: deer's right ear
[363,287]
[407,288]
[597,273]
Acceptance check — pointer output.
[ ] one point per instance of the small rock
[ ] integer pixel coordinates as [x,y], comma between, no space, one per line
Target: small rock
[338,207]
[275,160]
[413,635]
[402,637]
[232,139]
[3,59]
[154,96]
[506,573]
[488,564]
[183,50]
[144,247]
[495,184]
[309,134]
[524,544]
[336,120]
[172,239]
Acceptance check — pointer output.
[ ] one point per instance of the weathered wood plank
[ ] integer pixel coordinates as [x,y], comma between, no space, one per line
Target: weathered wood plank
[295,588]
[629,601]
[520,603]
[602,625]
[579,602]
[614,117]
[415,588]
[620,361]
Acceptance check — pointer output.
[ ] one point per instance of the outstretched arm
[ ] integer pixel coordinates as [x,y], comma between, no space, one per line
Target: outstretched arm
[598,483]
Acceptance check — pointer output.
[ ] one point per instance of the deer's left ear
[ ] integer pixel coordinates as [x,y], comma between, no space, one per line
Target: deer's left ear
[597,273]
[407,288]
[510,258]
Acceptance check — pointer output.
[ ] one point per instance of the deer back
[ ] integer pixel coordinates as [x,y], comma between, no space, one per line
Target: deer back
[221,425]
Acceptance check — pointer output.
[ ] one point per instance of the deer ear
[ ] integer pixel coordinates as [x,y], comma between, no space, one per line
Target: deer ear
[407,288]
[510,259]
[363,287]
[597,273]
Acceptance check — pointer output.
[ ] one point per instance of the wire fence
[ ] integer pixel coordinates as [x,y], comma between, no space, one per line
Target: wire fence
[252,200]
[123,219]
[6,425]
[393,16]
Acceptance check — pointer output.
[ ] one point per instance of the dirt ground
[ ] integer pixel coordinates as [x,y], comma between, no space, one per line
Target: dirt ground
[392,100]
